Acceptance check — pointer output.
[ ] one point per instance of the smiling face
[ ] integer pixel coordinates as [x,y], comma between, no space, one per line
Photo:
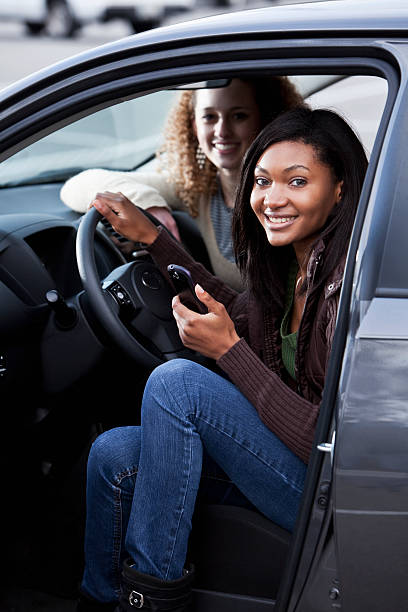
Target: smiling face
[293,194]
[226,121]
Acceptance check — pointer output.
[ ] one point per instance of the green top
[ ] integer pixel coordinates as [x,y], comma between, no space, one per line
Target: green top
[289,341]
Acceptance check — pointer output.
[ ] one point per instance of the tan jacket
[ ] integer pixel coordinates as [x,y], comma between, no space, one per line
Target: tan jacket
[147,189]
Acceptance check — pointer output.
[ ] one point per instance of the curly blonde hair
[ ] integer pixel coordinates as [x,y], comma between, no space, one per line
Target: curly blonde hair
[192,176]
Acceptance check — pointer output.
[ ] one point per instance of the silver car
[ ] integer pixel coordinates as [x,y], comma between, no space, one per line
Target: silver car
[58,328]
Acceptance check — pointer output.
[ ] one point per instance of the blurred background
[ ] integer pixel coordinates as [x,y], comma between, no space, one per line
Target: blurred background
[36,33]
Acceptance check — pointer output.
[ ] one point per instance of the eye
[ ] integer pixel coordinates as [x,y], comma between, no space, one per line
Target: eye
[261,181]
[240,116]
[298,182]
[208,117]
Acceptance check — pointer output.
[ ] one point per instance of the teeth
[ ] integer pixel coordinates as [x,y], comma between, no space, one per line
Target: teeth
[279,219]
[223,147]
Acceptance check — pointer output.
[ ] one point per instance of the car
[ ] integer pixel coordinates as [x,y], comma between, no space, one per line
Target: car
[69,369]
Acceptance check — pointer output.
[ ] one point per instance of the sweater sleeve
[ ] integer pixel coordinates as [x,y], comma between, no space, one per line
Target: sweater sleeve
[142,188]
[166,250]
[287,414]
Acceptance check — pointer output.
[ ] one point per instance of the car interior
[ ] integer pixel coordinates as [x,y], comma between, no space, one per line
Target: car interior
[72,365]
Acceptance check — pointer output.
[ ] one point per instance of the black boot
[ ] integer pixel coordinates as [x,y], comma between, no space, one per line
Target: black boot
[140,591]
[88,604]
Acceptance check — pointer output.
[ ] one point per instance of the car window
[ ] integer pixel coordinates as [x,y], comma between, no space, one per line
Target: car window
[120,137]
[359,99]
[126,136]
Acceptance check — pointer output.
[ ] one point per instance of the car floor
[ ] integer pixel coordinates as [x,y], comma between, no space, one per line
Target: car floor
[44,469]
[26,600]
[42,548]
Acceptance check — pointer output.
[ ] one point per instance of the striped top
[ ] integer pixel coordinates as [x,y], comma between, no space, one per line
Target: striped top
[221,218]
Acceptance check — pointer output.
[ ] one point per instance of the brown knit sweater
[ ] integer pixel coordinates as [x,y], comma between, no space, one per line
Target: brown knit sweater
[254,365]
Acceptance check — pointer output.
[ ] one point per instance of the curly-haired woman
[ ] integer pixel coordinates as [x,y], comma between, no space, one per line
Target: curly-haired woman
[207,133]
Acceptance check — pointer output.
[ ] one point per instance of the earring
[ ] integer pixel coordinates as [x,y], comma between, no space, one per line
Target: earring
[200,157]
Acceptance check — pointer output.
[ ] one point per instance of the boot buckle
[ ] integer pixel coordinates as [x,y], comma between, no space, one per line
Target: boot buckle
[136,599]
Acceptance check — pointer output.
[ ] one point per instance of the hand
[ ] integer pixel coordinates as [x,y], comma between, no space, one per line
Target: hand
[166,218]
[211,334]
[125,217]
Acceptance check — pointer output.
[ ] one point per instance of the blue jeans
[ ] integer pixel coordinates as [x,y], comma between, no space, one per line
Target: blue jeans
[187,411]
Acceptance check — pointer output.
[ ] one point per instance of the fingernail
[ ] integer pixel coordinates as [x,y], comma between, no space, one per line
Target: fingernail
[199,288]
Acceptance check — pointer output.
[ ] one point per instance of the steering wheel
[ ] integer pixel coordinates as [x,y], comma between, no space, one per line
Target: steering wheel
[133,303]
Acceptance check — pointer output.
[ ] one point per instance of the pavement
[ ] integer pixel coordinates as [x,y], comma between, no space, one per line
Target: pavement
[22,54]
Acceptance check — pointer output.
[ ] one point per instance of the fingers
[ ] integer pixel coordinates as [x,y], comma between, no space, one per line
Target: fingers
[125,217]
[189,321]
[166,218]
[185,317]
[208,300]
[105,210]
[180,311]
[211,334]
[109,202]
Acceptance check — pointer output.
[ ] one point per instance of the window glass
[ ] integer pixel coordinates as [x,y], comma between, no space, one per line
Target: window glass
[119,138]
[127,135]
[360,100]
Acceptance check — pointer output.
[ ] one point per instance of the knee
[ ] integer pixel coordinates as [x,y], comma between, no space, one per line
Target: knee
[113,454]
[100,455]
[173,385]
[177,374]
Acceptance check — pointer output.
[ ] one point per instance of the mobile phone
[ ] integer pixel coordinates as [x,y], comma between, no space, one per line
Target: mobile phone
[184,285]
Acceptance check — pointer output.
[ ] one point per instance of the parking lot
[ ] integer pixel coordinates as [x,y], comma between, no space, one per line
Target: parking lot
[24,54]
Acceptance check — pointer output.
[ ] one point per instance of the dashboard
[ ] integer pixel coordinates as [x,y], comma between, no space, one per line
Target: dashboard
[37,255]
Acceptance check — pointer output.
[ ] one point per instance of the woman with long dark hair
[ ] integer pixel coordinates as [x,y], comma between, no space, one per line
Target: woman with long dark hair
[293,218]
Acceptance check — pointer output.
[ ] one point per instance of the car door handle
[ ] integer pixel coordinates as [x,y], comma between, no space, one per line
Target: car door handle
[328,447]
[325,447]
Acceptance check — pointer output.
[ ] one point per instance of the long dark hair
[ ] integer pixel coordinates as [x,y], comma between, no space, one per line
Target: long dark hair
[337,146]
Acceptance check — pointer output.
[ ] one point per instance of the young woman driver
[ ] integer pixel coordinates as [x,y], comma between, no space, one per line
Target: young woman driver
[293,217]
